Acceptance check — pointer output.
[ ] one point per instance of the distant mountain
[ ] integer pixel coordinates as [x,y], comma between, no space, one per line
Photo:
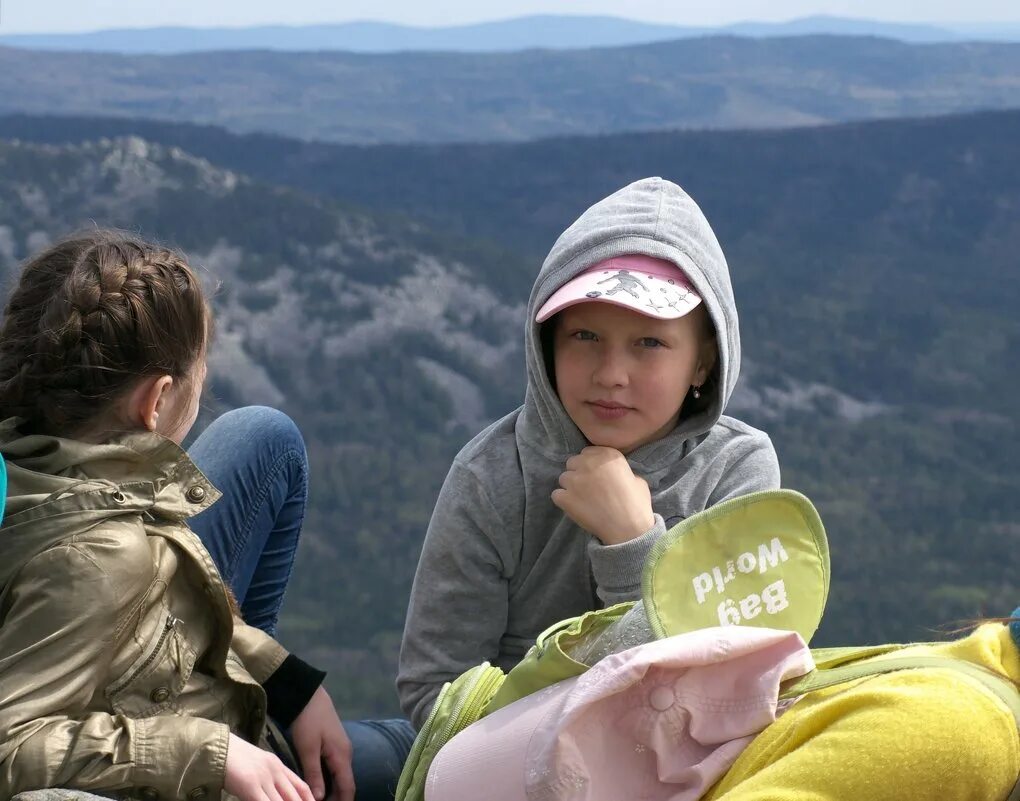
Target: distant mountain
[521,33]
[697,83]
[844,26]
[874,267]
[990,32]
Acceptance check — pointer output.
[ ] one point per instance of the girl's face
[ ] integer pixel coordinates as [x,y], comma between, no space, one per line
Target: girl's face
[181,404]
[623,376]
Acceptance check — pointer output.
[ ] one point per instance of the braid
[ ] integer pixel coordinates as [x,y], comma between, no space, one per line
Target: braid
[90,317]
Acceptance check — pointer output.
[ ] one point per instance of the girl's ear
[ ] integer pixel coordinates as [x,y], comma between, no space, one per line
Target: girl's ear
[148,400]
[707,355]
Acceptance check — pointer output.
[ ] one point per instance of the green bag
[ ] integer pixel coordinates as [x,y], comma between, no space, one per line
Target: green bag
[833,666]
[549,660]
[759,560]
[700,570]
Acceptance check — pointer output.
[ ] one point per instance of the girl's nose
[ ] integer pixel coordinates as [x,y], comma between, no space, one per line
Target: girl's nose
[611,370]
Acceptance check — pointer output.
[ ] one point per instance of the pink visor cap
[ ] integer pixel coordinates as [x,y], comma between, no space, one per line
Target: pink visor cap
[645,284]
[662,721]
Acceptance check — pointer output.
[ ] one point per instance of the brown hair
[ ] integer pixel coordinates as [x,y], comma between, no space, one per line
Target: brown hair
[89,317]
[709,390]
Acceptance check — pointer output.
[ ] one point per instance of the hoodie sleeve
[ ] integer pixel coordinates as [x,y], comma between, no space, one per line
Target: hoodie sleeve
[55,656]
[459,600]
[617,568]
[752,467]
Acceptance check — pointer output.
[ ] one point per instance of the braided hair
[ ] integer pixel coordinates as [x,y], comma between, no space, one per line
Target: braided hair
[90,317]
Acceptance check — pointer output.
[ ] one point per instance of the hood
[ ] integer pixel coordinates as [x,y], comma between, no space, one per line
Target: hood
[653,217]
[57,488]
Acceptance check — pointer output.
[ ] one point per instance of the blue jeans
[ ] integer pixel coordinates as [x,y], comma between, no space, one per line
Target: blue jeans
[256,457]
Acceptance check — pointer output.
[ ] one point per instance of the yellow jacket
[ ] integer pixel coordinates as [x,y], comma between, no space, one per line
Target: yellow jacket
[123,664]
[923,735]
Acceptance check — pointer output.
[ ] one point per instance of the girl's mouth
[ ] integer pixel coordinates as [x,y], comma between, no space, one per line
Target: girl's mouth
[607,410]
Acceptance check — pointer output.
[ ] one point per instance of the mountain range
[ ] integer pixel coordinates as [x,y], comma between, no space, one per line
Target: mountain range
[707,83]
[377,293]
[521,33]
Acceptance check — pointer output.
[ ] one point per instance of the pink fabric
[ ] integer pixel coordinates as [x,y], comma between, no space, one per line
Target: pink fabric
[659,722]
[650,286]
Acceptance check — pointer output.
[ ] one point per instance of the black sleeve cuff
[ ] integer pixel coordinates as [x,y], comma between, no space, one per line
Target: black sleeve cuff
[290,689]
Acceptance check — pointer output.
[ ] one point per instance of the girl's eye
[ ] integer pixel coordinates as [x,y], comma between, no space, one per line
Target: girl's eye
[650,342]
[584,336]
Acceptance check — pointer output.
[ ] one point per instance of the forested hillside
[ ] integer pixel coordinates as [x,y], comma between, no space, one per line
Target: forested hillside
[711,82]
[874,267]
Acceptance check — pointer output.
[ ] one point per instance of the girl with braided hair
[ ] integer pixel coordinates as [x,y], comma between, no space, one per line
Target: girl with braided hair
[136,618]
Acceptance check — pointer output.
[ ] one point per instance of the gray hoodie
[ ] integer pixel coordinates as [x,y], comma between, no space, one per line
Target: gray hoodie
[501,562]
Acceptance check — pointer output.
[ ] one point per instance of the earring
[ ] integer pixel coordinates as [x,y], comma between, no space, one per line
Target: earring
[697,393]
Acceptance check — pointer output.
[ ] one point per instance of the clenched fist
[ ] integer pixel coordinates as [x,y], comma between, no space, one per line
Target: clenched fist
[600,493]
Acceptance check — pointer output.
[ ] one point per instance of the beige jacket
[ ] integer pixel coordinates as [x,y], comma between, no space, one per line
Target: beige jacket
[123,664]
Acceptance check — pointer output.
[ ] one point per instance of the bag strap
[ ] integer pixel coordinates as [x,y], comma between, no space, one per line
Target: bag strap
[999,686]
[826,658]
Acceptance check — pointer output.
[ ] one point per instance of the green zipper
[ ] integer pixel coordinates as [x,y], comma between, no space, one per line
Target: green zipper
[168,626]
[469,709]
[407,774]
[474,703]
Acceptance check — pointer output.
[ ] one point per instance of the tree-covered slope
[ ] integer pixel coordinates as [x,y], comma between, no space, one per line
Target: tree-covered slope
[712,82]
[874,267]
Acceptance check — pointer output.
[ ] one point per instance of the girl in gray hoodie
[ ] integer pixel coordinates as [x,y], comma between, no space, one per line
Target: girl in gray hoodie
[632,350]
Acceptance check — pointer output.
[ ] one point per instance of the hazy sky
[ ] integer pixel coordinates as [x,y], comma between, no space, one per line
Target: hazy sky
[36,16]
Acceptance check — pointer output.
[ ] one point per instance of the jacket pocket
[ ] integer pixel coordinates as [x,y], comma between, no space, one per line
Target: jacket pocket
[153,682]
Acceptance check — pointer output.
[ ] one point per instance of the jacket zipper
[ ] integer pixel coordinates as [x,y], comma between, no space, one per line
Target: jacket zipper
[171,623]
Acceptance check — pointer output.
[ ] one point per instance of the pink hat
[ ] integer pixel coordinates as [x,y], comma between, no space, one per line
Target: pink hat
[648,285]
[662,721]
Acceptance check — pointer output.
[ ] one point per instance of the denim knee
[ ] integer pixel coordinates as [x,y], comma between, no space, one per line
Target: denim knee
[266,427]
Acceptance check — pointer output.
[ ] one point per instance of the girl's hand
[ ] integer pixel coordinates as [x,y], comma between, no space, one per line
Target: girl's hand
[318,735]
[256,775]
[600,493]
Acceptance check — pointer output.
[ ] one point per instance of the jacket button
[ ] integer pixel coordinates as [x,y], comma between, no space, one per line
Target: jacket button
[159,695]
[149,794]
[196,494]
[198,793]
